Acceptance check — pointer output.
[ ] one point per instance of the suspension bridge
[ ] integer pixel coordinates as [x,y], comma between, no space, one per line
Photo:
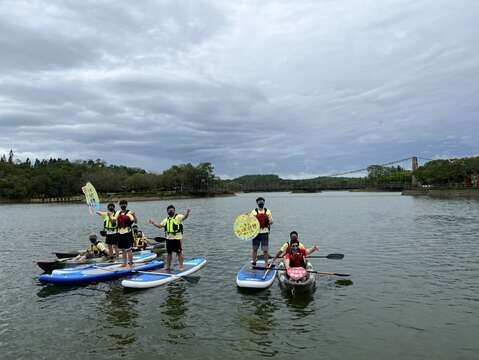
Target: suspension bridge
[396,175]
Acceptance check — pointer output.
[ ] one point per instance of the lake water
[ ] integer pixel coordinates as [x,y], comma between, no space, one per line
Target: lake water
[414,265]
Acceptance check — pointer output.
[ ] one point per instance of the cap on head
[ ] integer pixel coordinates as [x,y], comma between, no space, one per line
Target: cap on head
[93,238]
[260,199]
[123,202]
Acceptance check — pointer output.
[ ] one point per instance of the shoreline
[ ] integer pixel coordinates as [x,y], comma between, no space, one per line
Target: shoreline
[444,193]
[116,197]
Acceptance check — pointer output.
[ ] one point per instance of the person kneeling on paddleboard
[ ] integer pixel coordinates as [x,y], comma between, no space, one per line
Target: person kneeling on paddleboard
[173,226]
[140,240]
[265,219]
[286,247]
[96,249]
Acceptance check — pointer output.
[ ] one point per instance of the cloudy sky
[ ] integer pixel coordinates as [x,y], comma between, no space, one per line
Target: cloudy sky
[297,88]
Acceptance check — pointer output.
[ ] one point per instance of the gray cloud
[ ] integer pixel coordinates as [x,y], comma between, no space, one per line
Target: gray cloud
[300,88]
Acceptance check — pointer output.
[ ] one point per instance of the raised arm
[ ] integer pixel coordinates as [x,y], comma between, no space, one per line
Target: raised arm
[159,226]
[188,212]
[312,249]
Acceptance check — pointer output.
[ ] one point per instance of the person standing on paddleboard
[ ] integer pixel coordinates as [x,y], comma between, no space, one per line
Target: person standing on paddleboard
[265,219]
[125,219]
[173,225]
[110,230]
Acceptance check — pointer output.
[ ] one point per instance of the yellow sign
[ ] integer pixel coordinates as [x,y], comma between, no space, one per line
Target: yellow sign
[91,198]
[246,227]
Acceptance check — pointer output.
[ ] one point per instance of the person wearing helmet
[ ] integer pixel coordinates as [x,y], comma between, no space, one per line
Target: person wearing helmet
[110,230]
[265,219]
[293,238]
[173,225]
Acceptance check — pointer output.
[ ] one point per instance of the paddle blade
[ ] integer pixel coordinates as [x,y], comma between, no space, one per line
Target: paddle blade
[330,256]
[159,239]
[91,198]
[246,227]
[332,273]
[335,256]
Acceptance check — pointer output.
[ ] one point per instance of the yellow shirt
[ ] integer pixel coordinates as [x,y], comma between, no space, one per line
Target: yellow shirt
[270,216]
[285,247]
[178,236]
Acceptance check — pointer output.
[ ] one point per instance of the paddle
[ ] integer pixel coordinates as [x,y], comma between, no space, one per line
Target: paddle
[330,256]
[159,239]
[188,278]
[91,198]
[310,271]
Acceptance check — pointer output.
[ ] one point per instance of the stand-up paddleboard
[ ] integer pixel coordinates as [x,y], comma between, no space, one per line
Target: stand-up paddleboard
[141,257]
[97,274]
[49,266]
[255,278]
[143,281]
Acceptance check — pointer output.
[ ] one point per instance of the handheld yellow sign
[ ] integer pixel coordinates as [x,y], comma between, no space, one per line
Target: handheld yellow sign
[246,227]
[91,198]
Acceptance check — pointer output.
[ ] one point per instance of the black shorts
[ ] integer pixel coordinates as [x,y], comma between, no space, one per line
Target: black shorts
[111,239]
[261,241]
[125,241]
[173,246]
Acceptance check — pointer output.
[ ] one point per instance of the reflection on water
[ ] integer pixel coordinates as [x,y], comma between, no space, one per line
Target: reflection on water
[52,290]
[119,310]
[298,303]
[257,316]
[175,307]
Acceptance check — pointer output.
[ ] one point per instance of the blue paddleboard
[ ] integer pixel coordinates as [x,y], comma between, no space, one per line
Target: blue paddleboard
[255,278]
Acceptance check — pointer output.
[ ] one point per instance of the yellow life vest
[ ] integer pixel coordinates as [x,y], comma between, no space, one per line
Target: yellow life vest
[141,242]
[110,225]
[98,248]
[173,226]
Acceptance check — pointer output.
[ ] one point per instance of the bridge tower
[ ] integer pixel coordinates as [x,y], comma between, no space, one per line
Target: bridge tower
[414,168]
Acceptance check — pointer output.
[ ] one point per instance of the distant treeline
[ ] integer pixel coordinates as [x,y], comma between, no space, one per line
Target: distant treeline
[62,178]
[450,172]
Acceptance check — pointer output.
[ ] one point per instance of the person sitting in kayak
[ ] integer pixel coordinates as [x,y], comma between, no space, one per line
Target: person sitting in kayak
[139,239]
[96,249]
[173,226]
[286,247]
